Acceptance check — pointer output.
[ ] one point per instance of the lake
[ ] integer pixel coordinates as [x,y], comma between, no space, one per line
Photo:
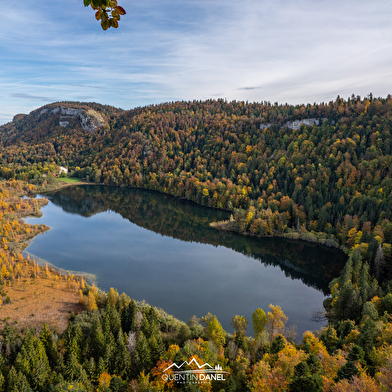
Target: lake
[160,249]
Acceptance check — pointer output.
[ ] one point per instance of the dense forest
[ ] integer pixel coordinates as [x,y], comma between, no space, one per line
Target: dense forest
[328,182]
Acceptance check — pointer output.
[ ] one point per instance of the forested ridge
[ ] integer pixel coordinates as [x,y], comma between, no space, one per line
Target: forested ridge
[328,183]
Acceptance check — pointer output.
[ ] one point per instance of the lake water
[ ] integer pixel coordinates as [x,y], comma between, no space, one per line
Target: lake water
[161,249]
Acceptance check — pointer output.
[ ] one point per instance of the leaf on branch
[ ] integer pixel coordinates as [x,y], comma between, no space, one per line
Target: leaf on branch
[107,11]
[104,16]
[105,24]
[113,23]
[98,15]
[120,10]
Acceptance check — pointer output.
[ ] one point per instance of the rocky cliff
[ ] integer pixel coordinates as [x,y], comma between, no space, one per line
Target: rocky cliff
[89,120]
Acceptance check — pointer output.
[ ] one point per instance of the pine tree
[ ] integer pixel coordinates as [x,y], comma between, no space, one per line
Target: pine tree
[145,327]
[127,316]
[143,351]
[71,367]
[304,380]
[2,382]
[137,365]
[152,316]
[101,367]
[364,282]
[40,375]
[23,384]
[109,356]
[119,354]
[17,382]
[348,370]
[90,368]
[231,385]
[98,340]
[379,263]
[156,348]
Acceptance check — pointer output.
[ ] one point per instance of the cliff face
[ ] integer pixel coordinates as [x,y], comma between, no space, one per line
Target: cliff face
[89,120]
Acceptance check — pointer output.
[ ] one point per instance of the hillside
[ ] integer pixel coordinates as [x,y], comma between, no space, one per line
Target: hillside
[319,172]
[51,121]
[234,155]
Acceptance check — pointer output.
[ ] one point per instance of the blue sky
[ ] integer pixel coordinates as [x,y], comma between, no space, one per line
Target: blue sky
[294,51]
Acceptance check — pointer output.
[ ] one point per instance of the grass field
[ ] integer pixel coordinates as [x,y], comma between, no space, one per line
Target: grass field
[68,179]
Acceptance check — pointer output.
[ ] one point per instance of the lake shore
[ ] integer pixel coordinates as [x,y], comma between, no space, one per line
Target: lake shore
[57,184]
[31,294]
[292,234]
[226,225]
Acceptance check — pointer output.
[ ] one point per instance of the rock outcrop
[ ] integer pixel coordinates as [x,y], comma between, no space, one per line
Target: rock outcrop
[89,120]
[18,117]
[296,124]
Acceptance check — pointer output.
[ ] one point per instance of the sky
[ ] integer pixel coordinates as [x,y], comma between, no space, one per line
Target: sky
[294,51]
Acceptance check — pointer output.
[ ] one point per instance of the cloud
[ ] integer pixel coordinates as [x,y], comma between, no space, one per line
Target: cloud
[29,97]
[249,88]
[278,50]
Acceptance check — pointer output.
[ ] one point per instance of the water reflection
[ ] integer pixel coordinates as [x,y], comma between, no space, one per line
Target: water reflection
[313,264]
[162,249]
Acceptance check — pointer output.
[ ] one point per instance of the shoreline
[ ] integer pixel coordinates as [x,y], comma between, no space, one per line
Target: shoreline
[91,279]
[60,184]
[293,234]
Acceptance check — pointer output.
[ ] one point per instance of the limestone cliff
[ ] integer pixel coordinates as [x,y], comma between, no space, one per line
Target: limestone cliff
[89,120]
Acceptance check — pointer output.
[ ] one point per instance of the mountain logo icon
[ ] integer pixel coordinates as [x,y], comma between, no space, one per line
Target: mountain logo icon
[205,368]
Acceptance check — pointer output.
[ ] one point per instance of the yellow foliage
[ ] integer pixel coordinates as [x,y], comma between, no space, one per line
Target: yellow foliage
[81,297]
[260,377]
[91,303]
[276,320]
[287,359]
[315,345]
[335,293]
[352,336]
[4,272]
[363,383]
[112,296]
[170,352]
[104,381]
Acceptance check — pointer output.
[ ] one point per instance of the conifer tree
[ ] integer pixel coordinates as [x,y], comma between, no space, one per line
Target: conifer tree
[71,367]
[127,316]
[98,340]
[40,375]
[90,368]
[2,382]
[143,351]
[101,367]
[145,327]
[379,263]
[304,380]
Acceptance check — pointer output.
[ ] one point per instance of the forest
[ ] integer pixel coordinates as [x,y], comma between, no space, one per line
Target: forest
[329,182]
